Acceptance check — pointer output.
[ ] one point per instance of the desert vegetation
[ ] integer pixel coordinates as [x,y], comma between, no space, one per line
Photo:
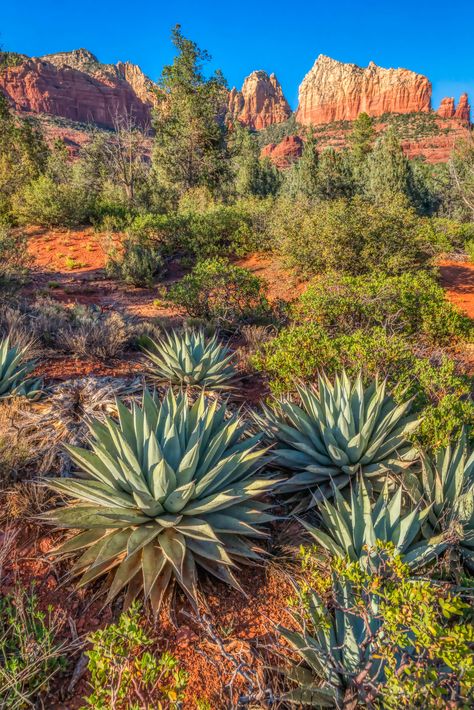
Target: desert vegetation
[236,464]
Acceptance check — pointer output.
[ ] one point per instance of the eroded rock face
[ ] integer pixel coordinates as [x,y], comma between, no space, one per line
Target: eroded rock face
[75,85]
[284,153]
[334,91]
[446,108]
[260,103]
[463,111]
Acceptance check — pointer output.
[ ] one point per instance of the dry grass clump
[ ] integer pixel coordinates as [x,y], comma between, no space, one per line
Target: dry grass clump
[18,444]
[62,417]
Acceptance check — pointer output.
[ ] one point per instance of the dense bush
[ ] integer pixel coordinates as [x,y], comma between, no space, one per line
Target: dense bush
[352,236]
[14,259]
[137,261]
[300,352]
[49,204]
[217,290]
[216,228]
[412,303]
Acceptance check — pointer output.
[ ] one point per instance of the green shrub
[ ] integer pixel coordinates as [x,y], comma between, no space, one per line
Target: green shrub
[469,248]
[412,303]
[125,674]
[379,639]
[352,236]
[50,204]
[138,261]
[447,234]
[14,259]
[216,290]
[30,652]
[226,229]
[441,395]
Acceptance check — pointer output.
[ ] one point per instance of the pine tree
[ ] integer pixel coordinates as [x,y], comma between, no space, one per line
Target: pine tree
[388,170]
[252,174]
[302,177]
[190,147]
[334,176]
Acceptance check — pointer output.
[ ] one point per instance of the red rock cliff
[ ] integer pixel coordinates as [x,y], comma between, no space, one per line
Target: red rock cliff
[76,86]
[260,103]
[333,91]
[463,111]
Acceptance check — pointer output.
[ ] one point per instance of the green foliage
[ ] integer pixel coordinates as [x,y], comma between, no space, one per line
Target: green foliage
[361,139]
[169,488]
[189,147]
[190,359]
[388,172]
[441,395]
[339,429]
[213,229]
[351,528]
[462,170]
[125,674]
[448,488]
[381,639]
[253,176]
[412,303]
[14,259]
[15,371]
[30,653]
[137,261]
[216,290]
[23,154]
[351,236]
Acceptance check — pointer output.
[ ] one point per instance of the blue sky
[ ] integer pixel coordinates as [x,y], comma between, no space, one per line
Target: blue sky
[434,38]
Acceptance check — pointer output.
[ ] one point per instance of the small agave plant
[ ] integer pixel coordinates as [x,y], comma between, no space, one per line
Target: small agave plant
[338,654]
[339,430]
[448,489]
[15,371]
[353,528]
[190,359]
[170,488]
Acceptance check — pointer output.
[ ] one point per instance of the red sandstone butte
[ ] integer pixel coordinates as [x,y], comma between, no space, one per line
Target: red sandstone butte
[74,85]
[260,103]
[334,91]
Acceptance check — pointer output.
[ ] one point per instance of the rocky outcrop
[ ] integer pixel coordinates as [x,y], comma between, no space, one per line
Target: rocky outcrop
[260,103]
[446,108]
[463,110]
[333,91]
[284,153]
[75,85]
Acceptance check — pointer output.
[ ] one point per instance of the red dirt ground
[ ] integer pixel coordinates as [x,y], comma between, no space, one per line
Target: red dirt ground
[458,280]
[241,628]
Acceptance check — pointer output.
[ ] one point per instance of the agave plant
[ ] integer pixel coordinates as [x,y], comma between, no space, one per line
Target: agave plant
[339,430]
[170,488]
[338,655]
[190,359]
[448,488]
[353,529]
[15,371]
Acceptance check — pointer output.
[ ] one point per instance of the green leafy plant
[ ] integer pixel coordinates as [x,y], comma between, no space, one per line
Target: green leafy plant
[381,640]
[15,371]
[350,529]
[170,488]
[137,262]
[125,675]
[339,430]
[412,303]
[218,290]
[190,359]
[30,652]
[448,489]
